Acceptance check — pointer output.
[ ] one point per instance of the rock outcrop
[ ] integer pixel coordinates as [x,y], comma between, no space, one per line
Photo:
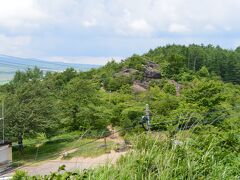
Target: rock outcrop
[152,64]
[126,72]
[151,71]
[139,87]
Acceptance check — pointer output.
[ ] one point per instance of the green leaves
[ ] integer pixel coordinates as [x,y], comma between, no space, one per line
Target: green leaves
[30,75]
[81,106]
[31,110]
[205,93]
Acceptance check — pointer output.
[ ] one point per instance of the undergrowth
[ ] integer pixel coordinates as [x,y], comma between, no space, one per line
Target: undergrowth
[186,155]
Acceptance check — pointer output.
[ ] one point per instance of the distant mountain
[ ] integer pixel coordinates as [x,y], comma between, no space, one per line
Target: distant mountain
[9,65]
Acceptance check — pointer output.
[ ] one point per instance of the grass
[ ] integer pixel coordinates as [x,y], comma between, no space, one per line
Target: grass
[157,156]
[93,150]
[41,149]
[204,152]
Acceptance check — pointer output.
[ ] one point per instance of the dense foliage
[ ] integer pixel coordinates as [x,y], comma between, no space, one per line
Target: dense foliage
[192,89]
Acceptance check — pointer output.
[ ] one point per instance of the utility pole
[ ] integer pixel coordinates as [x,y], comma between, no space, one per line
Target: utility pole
[147,110]
[146,120]
[2,118]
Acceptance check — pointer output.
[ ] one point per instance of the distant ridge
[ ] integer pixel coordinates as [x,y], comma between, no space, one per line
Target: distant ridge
[10,64]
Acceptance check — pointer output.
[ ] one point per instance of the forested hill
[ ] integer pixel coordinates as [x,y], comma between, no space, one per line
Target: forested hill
[176,61]
[171,70]
[193,93]
[222,62]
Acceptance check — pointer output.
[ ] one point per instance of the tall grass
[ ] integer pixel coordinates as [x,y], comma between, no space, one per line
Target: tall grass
[160,156]
[179,158]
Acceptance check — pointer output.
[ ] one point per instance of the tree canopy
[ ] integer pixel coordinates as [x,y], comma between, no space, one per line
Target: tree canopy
[181,83]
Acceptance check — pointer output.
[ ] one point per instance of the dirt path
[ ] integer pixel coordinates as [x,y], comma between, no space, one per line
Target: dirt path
[115,136]
[80,163]
[177,87]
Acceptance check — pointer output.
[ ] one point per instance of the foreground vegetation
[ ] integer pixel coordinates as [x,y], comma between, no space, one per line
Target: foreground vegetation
[187,156]
[193,93]
[37,150]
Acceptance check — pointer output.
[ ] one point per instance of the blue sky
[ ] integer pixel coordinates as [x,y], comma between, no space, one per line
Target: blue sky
[94,31]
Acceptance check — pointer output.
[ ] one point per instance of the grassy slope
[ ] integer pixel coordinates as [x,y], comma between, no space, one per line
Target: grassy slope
[165,158]
[41,149]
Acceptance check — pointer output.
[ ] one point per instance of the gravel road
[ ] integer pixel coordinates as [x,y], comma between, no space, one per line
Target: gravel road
[78,163]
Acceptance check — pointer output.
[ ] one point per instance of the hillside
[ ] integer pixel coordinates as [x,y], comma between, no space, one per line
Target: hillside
[9,65]
[193,93]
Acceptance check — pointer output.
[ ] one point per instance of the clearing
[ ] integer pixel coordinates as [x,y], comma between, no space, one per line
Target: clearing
[79,155]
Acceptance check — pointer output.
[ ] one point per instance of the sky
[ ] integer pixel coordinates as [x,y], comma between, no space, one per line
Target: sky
[96,31]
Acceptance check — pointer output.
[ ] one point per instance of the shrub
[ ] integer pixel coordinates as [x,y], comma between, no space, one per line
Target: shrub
[20,175]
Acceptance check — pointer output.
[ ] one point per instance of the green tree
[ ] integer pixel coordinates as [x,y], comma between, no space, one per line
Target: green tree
[79,105]
[206,93]
[28,75]
[203,72]
[30,110]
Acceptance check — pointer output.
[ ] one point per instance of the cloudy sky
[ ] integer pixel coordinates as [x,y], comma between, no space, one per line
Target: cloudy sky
[94,31]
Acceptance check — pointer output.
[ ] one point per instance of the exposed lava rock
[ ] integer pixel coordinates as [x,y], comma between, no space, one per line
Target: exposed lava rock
[152,73]
[139,87]
[152,64]
[126,72]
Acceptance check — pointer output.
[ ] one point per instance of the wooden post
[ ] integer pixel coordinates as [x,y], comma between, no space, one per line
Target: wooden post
[105,144]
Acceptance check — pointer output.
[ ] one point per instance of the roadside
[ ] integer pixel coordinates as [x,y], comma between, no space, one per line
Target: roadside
[107,150]
[77,163]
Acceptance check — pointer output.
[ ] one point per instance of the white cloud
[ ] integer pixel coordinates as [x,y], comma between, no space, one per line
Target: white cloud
[23,13]
[141,25]
[58,27]
[89,23]
[146,17]
[142,15]
[178,28]
[16,45]
[137,27]
[209,28]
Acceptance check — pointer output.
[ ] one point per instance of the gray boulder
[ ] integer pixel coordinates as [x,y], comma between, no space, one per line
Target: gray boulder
[152,64]
[152,73]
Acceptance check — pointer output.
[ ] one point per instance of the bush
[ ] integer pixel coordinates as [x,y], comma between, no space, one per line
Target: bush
[169,88]
[20,175]
[131,116]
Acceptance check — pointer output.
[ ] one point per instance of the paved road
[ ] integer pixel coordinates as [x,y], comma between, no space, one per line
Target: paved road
[78,163]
